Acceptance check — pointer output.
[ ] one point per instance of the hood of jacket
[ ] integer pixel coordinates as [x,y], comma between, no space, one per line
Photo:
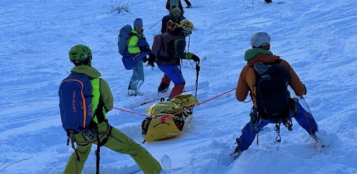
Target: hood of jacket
[254,52]
[91,72]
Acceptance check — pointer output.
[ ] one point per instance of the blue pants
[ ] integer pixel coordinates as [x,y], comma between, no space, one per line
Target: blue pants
[304,118]
[130,60]
[137,79]
[175,75]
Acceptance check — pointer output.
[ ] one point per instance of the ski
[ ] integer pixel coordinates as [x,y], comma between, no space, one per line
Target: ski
[160,96]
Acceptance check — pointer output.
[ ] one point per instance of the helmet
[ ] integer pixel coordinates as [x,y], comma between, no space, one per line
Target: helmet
[260,38]
[186,24]
[79,53]
[175,10]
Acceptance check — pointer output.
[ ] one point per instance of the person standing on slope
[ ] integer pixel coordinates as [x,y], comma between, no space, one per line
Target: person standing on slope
[137,45]
[171,4]
[271,99]
[172,25]
[110,137]
[167,51]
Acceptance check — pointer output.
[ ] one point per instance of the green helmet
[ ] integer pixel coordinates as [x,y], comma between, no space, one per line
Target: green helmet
[175,10]
[79,53]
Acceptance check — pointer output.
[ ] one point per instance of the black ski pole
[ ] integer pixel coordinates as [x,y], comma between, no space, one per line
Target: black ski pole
[197,74]
[155,24]
[189,41]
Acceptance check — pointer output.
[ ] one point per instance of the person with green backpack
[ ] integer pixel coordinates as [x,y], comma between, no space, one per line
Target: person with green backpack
[167,51]
[98,130]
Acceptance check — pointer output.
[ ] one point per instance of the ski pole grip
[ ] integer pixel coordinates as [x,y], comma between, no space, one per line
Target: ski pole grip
[198,68]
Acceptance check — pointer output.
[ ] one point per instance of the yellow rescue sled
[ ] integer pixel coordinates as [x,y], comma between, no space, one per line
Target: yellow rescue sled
[169,118]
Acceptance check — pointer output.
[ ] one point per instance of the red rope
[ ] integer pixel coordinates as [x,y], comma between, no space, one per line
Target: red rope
[217,96]
[163,118]
[131,112]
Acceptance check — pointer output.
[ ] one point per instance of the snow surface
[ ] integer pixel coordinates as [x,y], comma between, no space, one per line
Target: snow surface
[318,38]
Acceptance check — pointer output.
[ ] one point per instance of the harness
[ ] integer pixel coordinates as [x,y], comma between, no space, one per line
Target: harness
[91,137]
[255,119]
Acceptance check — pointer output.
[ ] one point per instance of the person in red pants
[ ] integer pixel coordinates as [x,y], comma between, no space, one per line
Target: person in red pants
[167,51]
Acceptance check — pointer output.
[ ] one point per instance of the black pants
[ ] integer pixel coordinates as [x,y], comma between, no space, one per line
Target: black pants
[188,3]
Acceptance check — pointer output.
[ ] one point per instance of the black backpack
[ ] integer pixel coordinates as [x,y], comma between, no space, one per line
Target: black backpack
[272,95]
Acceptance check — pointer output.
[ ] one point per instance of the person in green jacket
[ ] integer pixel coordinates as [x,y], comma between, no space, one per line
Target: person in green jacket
[138,47]
[110,137]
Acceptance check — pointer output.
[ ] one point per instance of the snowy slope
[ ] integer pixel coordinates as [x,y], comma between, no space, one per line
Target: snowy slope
[318,38]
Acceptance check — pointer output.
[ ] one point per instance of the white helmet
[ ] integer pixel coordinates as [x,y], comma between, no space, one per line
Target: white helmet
[260,38]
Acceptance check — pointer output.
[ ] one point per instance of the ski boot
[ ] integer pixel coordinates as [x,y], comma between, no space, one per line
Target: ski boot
[131,92]
[163,87]
[319,142]
[236,153]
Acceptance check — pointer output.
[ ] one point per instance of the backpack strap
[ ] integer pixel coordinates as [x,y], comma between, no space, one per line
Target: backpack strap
[99,112]
[98,115]
[162,47]
[71,138]
[101,143]
[162,43]
[277,61]
[97,152]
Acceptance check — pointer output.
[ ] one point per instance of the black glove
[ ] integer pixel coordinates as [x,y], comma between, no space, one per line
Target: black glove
[195,58]
[145,59]
[152,64]
[151,60]
[144,49]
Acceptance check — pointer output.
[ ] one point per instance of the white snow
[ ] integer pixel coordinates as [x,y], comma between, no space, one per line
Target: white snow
[318,38]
